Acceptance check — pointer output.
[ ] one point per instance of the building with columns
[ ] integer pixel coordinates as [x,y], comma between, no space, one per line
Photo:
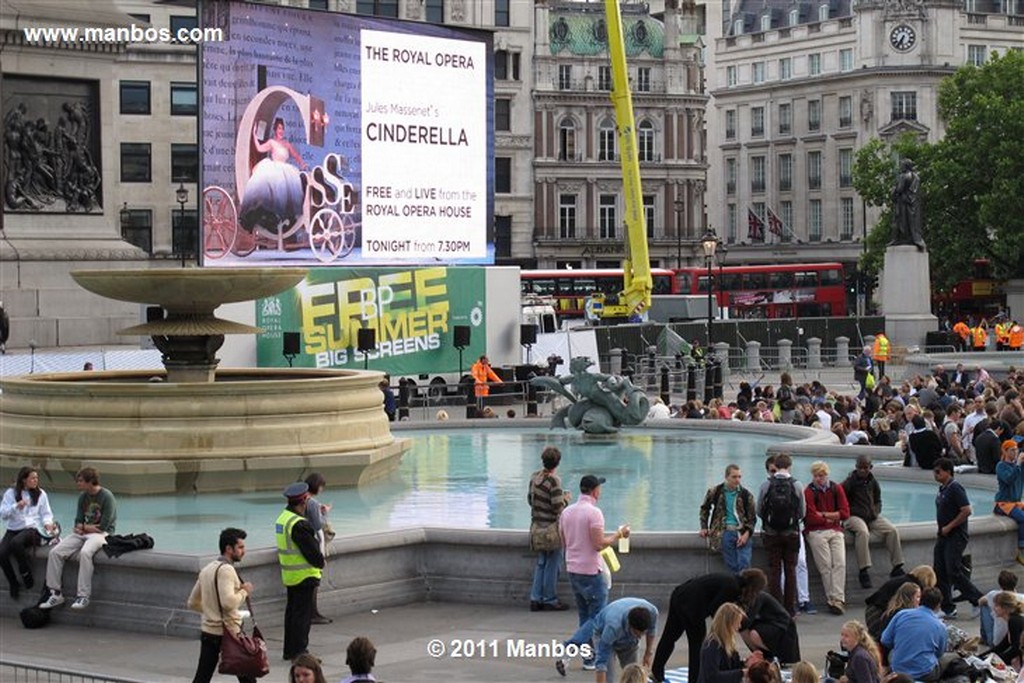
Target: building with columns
[797,87]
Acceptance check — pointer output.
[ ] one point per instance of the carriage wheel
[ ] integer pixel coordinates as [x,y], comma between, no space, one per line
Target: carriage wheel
[331,235]
[220,222]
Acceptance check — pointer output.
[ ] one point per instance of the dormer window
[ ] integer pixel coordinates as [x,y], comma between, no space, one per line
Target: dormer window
[794,16]
[766,22]
[823,12]
[737,27]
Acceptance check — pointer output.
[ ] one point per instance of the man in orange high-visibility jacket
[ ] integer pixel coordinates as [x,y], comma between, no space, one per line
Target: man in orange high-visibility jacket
[980,336]
[964,333]
[1002,335]
[880,352]
[1016,337]
[482,374]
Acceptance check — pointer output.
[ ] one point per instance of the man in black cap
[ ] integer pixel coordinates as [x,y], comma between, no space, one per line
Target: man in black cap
[583,536]
[298,551]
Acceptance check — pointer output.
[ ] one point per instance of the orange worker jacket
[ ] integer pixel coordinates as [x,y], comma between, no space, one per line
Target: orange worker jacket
[881,348]
[1016,337]
[962,329]
[980,337]
[1003,333]
[483,374]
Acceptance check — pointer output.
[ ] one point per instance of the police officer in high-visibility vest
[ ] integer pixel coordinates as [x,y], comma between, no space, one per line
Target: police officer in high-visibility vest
[880,353]
[298,551]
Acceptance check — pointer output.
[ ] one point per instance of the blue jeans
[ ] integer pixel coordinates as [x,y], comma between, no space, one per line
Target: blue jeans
[1017,515]
[987,625]
[545,577]
[591,596]
[736,559]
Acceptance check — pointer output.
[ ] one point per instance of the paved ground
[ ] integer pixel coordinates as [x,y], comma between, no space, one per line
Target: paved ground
[400,634]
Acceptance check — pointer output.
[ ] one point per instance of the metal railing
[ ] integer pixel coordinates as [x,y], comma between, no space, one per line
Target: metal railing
[22,672]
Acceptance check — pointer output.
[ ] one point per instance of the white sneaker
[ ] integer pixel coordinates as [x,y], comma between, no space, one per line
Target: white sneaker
[589,666]
[55,600]
[81,602]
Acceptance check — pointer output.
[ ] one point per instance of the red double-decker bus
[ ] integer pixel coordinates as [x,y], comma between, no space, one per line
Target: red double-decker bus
[775,291]
[570,288]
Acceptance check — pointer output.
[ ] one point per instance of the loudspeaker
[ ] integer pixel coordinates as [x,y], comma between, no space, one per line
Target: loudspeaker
[154,313]
[462,333]
[291,344]
[527,334]
[366,339]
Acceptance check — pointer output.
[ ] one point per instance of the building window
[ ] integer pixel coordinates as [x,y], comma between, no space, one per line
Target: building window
[846,167]
[814,221]
[786,68]
[567,140]
[434,10]
[794,16]
[785,118]
[649,214]
[730,176]
[758,72]
[565,76]
[823,12]
[813,115]
[845,111]
[904,106]
[506,65]
[737,27]
[766,22]
[145,18]
[846,219]
[184,163]
[785,172]
[184,236]
[604,78]
[135,97]
[976,55]
[503,236]
[136,162]
[730,224]
[645,141]
[182,23]
[606,217]
[378,8]
[786,214]
[502,14]
[138,228]
[317,4]
[814,64]
[502,114]
[757,174]
[643,79]
[606,141]
[184,99]
[814,170]
[846,59]
[730,124]
[567,216]
[503,175]
[730,76]
[757,122]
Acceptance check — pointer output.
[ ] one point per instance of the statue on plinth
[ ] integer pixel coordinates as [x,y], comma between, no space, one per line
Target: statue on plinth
[600,403]
[907,213]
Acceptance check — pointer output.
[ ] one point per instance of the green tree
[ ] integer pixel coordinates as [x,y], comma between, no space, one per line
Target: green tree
[972,181]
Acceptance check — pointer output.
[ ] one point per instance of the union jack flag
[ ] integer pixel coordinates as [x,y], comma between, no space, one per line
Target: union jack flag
[755,226]
[775,225]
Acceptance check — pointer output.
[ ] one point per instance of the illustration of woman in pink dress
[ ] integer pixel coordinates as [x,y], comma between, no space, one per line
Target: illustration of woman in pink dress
[273,196]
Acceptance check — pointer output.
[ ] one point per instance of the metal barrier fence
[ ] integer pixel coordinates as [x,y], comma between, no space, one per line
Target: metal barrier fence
[21,672]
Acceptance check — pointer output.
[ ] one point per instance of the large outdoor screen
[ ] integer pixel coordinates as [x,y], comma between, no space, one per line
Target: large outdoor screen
[333,139]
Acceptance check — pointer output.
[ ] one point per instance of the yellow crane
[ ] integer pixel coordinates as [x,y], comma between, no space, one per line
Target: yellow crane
[635,298]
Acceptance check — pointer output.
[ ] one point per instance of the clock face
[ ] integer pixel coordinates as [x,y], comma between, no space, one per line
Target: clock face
[902,38]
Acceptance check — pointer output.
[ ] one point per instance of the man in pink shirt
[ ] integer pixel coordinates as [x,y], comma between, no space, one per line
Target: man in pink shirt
[583,535]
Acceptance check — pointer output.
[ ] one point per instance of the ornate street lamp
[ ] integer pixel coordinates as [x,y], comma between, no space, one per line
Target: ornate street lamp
[182,196]
[709,243]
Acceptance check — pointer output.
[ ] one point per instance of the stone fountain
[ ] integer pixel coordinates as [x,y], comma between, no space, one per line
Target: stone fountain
[191,427]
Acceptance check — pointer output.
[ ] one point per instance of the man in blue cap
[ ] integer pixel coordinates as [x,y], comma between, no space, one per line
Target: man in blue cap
[298,551]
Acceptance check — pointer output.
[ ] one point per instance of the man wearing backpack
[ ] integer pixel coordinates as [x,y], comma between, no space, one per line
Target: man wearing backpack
[781,506]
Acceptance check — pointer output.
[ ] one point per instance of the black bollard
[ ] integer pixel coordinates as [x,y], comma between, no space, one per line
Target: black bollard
[691,383]
[718,379]
[531,399]
[403,398]
[666,392]
[709,383]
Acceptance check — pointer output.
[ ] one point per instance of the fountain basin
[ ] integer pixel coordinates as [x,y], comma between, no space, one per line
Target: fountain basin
[250,430]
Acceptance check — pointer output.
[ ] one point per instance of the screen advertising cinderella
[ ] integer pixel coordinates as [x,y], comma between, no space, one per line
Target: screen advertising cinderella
[335,139]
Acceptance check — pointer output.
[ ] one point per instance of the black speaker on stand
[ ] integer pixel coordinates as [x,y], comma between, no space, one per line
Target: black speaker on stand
[366,340]
[462,335]
[290,349]
[527,338]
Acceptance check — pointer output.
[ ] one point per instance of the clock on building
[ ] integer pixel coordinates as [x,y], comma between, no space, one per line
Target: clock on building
[902,37]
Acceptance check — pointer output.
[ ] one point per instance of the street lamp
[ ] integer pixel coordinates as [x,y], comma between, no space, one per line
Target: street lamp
[680,208]
[709,242]
[182,195]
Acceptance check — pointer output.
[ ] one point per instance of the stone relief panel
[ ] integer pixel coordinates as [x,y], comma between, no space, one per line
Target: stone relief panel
[51,151]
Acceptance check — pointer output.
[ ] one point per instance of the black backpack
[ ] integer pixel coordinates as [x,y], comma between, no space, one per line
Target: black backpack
[781,510]
[34,617]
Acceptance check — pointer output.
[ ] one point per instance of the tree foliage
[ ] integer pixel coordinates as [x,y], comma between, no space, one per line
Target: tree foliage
[972,181]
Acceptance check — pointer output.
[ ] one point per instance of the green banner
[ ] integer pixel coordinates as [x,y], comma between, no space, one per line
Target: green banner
[413,312]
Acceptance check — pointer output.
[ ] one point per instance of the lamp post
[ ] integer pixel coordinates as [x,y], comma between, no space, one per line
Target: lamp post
[680,208]
[721,280]
[709,242]
[182,196]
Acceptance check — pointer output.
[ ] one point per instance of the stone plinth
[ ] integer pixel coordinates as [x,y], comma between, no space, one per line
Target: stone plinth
[906,296]
[249,430]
